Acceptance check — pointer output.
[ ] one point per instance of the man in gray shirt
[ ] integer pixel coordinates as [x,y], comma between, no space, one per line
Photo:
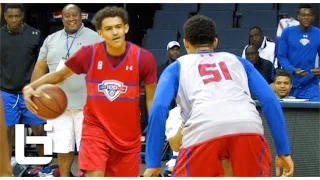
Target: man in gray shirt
[58,47]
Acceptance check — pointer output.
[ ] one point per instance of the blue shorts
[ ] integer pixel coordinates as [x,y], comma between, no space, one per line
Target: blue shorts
[15,108]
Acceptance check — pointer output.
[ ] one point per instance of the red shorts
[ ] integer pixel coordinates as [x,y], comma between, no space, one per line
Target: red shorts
[249,155]
[98,156]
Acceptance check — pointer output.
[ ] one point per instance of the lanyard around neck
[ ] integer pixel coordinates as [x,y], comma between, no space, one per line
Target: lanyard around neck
[69,48]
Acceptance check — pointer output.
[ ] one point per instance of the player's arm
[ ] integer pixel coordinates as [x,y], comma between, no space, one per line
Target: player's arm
[270,106]
[78,63]
[5,170]
[166,91]
[150,90]
[175,141]
[148,74]
[283,52]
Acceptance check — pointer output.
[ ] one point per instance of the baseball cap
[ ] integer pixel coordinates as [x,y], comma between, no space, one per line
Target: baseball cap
[171,44]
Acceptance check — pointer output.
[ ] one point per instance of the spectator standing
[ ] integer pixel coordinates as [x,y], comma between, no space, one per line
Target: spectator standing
[20,44]
[298,48]
[173,52]
[58,47]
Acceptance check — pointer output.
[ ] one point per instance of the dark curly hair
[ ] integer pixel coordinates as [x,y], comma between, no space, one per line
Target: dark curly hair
[200,30]
[109,11]
[13,6]
[280,72]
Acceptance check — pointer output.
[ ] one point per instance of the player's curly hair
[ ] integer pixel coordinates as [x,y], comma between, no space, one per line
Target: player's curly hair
[200,30]
[109,11]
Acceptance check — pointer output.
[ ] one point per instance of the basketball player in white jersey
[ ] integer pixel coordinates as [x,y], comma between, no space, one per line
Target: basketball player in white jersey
[220,118]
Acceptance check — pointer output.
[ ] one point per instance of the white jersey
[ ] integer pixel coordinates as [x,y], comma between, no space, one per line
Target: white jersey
[284,23]
[172,126]
[214,98]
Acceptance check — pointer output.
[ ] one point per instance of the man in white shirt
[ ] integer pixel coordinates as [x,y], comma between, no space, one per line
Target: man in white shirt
[266,46]
[284,23]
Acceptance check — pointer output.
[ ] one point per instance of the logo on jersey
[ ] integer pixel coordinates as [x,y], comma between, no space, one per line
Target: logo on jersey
[112,89]
[129,68]
[304,41]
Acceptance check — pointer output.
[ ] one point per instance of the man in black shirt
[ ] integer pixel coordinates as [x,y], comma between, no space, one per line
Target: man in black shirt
[264,67]
[20,46]
[173,52]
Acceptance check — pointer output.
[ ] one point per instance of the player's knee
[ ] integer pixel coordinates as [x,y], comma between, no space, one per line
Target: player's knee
[94,174]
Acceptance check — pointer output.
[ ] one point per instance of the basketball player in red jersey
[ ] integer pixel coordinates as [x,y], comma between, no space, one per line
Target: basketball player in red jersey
[115,68]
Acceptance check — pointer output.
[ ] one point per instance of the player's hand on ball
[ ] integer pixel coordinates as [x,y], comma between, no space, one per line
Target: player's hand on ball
[28,92]
[152,172]
[286,163]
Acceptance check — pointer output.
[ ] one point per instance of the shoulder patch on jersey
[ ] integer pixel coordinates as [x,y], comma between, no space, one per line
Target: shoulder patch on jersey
[112,89]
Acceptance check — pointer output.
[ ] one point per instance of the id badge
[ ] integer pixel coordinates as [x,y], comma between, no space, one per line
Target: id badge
[61,64]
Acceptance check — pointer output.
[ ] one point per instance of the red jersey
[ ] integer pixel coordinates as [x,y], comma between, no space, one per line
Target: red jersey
[113,94]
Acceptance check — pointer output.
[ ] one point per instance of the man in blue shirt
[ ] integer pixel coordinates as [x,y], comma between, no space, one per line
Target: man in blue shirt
[298,48]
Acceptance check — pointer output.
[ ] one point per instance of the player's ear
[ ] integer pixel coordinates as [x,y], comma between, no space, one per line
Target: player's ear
[99,33]
[126,28]
[215,43]
[186,43]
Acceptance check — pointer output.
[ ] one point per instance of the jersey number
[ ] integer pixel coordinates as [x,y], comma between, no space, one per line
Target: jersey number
[214,72]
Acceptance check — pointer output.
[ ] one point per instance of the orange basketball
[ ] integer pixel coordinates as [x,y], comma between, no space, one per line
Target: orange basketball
[51,103]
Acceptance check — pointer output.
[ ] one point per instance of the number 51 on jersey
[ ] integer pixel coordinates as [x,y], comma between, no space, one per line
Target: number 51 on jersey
[214,72]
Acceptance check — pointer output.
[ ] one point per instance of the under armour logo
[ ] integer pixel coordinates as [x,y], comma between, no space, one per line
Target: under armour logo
[34,32]
[99,65]
[305,36]
[129,68]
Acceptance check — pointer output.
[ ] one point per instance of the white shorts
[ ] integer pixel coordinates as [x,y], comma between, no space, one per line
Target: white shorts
[66,131]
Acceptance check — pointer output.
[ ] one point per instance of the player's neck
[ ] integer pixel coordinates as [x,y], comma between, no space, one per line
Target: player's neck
[203,49]
[116,51]
[303,28]
[283,97]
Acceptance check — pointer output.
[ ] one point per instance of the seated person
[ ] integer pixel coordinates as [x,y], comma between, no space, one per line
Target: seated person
[264,67]
[265,46]
[282,84]
[174,127]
